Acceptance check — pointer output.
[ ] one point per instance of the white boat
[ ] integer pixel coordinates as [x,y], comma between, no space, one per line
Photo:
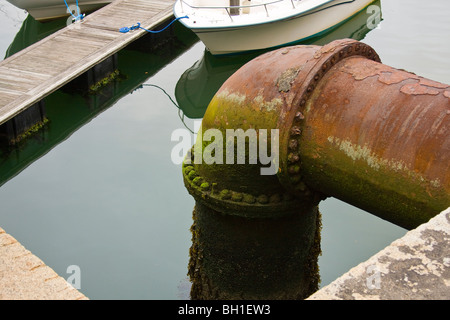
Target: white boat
[198,84]
[230,26]
[43,10]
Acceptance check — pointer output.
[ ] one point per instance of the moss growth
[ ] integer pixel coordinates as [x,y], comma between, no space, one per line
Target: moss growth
[192,174]
[225,194]
[31,131]
[104,82]
[263,199]
[312,262]
[248,198]
[400,197]
[198,180]
[188,169]
[236,196]
[204,186]
[234,258]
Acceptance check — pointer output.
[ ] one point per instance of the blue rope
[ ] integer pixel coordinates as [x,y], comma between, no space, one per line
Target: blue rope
[78,16]
[138,26]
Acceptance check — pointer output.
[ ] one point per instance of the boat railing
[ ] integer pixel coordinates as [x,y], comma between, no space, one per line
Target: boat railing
[229,9]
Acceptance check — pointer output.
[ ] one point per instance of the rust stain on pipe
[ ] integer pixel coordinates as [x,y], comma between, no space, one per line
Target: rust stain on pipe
[378,138]
[350,127]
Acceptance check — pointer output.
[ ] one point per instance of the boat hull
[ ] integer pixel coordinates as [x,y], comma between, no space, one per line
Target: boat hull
[44,10]
[228,40]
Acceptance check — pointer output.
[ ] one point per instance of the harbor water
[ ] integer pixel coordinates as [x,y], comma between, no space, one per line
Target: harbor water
[98,187]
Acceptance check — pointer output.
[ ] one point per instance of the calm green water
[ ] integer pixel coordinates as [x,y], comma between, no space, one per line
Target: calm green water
[98,189]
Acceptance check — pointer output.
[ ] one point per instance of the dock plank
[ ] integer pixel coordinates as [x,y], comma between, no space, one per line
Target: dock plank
[35,72]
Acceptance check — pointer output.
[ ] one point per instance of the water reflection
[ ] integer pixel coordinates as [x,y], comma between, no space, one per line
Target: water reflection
[71,107]
[193,92]
[259,259]
[239,258]
[198,84]
[33,31]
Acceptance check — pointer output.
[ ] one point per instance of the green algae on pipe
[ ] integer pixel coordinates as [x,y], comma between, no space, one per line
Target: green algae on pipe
[235,258]
[349,127]
[379,138]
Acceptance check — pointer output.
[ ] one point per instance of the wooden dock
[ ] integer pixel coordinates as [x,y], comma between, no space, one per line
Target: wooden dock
[35,72]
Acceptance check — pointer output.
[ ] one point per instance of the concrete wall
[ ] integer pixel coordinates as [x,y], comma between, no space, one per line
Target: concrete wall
[414,267]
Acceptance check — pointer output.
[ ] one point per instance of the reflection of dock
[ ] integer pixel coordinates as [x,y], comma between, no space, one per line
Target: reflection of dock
[80,107]
[33,73]
[24,276]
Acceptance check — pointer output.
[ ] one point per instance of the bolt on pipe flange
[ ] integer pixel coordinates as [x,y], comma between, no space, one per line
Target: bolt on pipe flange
[307,76]
[301,91]
[261,96]
[246,201]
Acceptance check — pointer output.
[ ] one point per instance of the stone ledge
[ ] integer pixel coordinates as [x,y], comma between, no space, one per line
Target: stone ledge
[414,267]
[23,276]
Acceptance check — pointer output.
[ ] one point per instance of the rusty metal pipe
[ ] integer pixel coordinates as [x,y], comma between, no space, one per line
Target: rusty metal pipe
[350,127]
[378,138]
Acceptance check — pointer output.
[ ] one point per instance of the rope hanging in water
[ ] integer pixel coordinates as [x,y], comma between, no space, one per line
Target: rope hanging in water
[138,26]
[180,111]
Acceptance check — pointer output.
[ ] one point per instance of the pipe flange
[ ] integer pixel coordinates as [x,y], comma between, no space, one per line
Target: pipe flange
[322,61]
[228,201]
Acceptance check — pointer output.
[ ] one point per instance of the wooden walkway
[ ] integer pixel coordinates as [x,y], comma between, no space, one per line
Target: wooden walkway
[33,73]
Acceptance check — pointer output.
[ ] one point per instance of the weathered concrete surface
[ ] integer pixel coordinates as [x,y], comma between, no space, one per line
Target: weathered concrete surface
[23,276]
[414,267]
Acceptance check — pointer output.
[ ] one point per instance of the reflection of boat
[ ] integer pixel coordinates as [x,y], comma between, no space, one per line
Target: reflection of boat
[228,26]
[198,84]
[51,9]
[33,31]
